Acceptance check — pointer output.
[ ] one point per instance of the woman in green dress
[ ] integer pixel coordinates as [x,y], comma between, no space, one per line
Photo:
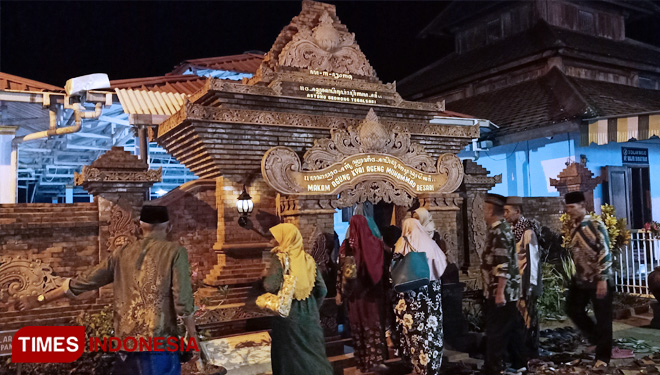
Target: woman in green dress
[298,345]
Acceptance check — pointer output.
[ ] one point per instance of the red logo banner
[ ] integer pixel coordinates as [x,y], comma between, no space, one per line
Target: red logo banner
[43,344]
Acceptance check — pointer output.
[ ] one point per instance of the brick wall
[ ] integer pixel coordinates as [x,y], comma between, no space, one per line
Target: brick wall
[241,254]
[547,210]
[62,236]
[194,218]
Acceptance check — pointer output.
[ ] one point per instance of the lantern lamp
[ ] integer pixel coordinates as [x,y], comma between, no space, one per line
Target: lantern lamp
[244,206]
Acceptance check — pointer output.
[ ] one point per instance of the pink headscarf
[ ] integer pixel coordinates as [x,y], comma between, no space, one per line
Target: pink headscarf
[420,240]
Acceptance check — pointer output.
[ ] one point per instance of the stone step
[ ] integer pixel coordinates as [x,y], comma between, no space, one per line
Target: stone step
[341,362]
[232,281]
[454,356]
[335,346]
[395,366]
[242,269]
[237,268]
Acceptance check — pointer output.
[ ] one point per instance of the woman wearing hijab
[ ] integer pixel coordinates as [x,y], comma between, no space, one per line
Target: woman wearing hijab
[424,216]
[419,312]
[366,209]
[366,297]
[298,345]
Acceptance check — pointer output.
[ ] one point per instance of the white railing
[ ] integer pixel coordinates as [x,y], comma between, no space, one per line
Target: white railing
[636,261]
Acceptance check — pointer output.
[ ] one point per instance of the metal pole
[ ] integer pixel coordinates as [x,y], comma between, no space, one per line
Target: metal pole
[144,143]
[143,136]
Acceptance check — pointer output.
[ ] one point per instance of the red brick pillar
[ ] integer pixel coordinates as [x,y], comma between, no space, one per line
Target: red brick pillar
[476,184]
[241,252]
[444,208]
[310,213]
[576,177]
[118,181]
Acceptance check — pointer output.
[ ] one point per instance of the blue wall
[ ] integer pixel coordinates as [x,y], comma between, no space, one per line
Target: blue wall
[526,167]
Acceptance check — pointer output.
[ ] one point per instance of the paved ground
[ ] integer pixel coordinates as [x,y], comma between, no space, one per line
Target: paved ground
[579,362]
[633,330]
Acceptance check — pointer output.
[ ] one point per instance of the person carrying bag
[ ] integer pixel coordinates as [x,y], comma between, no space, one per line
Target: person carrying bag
[416,270]
[410,271]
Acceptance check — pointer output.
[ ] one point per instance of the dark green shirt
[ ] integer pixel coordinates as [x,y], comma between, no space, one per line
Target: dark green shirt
[499,260]
[151,283]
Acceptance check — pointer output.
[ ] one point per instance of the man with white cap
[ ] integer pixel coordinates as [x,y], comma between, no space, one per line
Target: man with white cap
[529,265]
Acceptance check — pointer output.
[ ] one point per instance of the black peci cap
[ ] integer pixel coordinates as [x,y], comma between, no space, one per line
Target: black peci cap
[154,214]
[574,197]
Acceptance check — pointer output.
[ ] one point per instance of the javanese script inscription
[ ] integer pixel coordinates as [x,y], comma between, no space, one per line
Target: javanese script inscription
[330,74]
[358,167]
[340,95]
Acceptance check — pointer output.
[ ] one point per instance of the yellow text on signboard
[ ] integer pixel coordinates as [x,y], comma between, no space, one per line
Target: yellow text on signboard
[360,167]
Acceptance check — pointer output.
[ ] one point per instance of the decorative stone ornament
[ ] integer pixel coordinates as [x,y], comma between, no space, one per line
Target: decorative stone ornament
[117,170]
[325,48]
[369,162]
[576,177]
[120,181]
[21,277]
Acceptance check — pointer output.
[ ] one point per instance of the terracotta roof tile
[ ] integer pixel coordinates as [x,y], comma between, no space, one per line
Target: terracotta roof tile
[610,99]
[185,84]
[12,82]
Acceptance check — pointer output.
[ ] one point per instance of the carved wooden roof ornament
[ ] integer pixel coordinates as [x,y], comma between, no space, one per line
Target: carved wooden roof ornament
[315,40]
[313,79]
[369,162]
[325,48]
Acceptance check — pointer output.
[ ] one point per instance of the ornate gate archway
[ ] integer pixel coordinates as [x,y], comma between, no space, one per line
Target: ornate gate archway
[270,133]
[364,163]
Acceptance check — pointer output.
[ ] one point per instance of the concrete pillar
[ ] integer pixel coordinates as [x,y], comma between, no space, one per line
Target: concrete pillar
[68,198]
[8,166]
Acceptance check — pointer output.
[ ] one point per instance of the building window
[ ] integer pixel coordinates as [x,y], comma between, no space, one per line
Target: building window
[586,22]
[494,30]
[646,83]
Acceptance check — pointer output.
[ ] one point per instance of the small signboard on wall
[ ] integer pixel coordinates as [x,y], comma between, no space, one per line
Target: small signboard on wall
[633,155]
[5,342]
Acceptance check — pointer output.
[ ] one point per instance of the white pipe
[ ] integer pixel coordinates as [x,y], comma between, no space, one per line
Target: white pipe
[79,115]
[13,171]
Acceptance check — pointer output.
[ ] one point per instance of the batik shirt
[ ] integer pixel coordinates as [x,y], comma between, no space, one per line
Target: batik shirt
[527,250]
[151,284]
[590,247]
[499,260]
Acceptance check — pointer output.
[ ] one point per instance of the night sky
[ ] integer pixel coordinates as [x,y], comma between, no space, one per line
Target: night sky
[57,40]
[53,41]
